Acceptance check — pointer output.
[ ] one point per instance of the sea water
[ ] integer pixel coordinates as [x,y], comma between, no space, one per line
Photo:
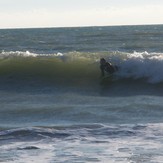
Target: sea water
[55,107]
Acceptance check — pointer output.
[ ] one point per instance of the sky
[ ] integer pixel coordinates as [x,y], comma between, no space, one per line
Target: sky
[72,13]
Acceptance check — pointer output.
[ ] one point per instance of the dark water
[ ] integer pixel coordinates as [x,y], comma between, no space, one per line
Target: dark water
[55,107]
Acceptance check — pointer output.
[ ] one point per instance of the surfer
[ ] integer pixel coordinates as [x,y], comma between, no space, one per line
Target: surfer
[107,67]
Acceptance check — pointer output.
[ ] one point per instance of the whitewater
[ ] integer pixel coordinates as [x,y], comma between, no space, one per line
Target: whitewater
[55,106]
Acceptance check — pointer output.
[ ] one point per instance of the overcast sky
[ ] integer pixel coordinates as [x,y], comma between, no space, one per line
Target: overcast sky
[63,13]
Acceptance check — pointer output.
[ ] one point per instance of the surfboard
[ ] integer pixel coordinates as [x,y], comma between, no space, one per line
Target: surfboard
[106,79]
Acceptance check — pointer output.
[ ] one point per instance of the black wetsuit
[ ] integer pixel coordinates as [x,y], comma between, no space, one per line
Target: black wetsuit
[107,67]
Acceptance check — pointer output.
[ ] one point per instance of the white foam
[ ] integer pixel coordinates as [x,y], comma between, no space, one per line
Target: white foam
[144,145]
[12,54]
[142,65]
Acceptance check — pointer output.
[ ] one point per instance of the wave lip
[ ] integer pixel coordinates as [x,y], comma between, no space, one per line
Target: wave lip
[12,54]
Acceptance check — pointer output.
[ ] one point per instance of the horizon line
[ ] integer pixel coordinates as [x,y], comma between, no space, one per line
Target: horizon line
[82,26]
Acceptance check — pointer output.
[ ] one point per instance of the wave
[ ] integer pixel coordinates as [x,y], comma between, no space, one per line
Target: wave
[87,143]
[81,66]
[63,132]
[70,132]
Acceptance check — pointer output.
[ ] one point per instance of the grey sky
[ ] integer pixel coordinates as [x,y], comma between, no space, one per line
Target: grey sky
[51,13]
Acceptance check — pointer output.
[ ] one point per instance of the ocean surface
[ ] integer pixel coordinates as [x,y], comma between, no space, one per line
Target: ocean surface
[56,108]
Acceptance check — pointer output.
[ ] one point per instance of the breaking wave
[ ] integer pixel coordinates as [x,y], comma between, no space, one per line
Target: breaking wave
[82,66]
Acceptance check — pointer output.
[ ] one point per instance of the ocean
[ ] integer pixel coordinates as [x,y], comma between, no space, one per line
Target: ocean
[56,108]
